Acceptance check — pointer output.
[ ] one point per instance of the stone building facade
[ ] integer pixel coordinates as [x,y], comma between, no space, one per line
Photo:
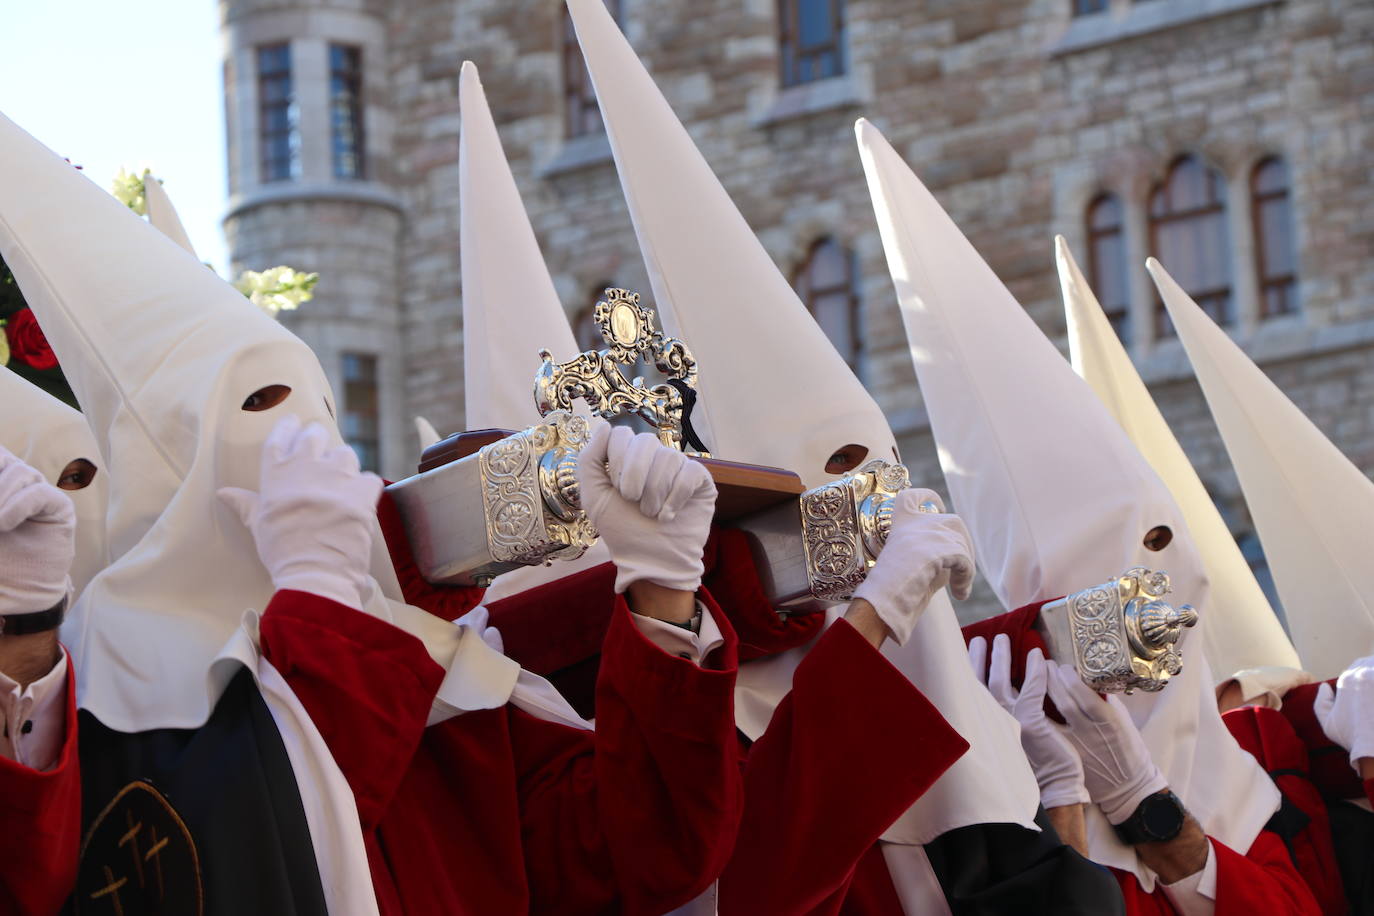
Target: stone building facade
[1247,123]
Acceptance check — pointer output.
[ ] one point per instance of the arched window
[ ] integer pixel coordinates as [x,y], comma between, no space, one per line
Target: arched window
[811,38]
[827,283]
[1107,261]
[581,115]
[1275,252]
[1189,236]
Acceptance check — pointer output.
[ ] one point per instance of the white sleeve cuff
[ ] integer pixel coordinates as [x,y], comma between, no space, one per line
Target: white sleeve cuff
[1196,895]
[33,721]
[683,643]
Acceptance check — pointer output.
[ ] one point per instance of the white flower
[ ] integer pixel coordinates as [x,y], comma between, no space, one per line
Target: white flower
[277,288]
[127,188]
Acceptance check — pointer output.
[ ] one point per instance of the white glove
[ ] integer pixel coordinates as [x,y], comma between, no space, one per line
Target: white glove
[1052,757]
[1347,713]
[1117,768]
[312,516]
[924,553]
[37,539]
[652,505]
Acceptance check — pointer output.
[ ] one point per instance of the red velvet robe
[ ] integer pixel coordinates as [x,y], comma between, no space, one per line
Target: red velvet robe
[40,827]
[1262,880]
[1267,735]
[490,812]
[498,812]
[828,776]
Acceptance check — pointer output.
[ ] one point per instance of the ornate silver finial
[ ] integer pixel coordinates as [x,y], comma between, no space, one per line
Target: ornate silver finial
[597,377]
[1122,634]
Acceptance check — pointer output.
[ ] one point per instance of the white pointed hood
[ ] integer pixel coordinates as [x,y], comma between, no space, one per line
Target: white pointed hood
[1313,508]
[162,354]
[1053,492]
[48,435]
[1240,630]
[717,289]
[776,392]
[426,433]
[163,215]
[510,307]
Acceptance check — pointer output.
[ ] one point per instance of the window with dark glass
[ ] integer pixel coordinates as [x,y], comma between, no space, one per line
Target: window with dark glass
[346,110]
[1085,7]
[1107,261]
[1275,253]
[581,115]
[1189,236]
[811,40]
[360,422]
[278,119]
[827,283]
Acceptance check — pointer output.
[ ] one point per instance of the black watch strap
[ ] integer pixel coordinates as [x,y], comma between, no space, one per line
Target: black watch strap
[24,624]
[1155,820]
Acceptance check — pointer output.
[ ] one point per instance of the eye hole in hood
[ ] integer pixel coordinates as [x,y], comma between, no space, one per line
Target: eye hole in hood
[77,475]
[846,458]
[1158,537]
[266,398]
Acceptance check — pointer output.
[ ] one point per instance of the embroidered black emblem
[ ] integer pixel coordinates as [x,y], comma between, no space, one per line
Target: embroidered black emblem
[139,858]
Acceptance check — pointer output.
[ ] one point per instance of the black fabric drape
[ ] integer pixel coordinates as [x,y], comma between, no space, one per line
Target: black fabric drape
[191,821]
[1352,833]
[1005,868]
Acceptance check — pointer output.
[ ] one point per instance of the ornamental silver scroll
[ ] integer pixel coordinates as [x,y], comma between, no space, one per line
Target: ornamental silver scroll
[596,376]
[844,525]
[1122,635]
[530,496]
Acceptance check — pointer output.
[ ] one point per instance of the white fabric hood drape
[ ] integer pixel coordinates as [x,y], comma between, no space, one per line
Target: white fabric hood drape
[776,392]
[161,354]
[1240,630]
[716,288]
[163,215]
[47,434]
[510,307]
[1313,508]
[1053,492]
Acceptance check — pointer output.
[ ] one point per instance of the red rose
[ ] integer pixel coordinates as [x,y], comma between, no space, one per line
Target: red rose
[27,342]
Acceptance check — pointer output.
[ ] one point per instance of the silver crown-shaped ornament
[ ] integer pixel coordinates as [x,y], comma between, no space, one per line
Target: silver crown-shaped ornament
[1121,635]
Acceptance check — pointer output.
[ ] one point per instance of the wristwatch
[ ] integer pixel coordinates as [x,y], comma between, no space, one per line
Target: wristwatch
[24,624]
[1158,818]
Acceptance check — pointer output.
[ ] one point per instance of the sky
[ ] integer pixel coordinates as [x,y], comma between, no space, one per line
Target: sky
[131,83]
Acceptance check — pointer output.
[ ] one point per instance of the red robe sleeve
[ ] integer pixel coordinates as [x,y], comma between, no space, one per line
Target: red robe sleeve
[646,821]
[637,817]
[1268,736]
[367,685]
[40,826]
[1261,881]
[850,748]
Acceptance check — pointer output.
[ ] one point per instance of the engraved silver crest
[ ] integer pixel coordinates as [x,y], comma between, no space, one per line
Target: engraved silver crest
[1121,635]
[844,525]
[529,493]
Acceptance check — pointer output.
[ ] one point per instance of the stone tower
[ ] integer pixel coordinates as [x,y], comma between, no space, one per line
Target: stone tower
[310,186]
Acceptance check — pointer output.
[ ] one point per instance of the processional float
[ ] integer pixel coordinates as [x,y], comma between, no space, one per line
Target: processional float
[485,502]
